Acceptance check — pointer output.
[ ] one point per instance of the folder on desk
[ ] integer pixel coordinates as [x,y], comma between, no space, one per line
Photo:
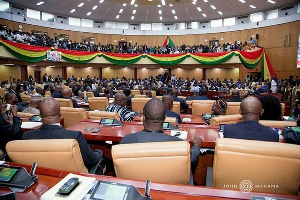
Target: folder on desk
[85,183]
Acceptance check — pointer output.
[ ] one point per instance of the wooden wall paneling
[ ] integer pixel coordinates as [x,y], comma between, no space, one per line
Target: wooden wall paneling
[82,72]
[118,72]
[8,72]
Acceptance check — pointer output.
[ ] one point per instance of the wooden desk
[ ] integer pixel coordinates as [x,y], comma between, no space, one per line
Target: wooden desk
[115,134]
[49,177]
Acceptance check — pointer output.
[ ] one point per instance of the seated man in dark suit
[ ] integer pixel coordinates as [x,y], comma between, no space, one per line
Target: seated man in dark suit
[183,104]
[250,129]
[168,100]
[51,129]
[66,95]
[12,99]
[154,117]
[197,97]
[9,131]
[235,96]
[58,92]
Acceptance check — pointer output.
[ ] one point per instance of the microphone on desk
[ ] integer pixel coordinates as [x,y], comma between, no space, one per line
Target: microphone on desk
[147,189]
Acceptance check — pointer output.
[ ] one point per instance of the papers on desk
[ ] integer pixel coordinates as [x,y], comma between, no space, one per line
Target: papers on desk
[30,124]
[180,134]
[85,183]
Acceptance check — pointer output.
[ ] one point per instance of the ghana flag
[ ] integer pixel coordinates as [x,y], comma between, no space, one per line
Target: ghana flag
[169,42]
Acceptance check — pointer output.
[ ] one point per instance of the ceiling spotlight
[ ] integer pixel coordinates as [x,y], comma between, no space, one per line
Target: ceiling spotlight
[132,2]
[39,3]
[199,9]
[159,6]
[117,16]
[132,17]
[124,4]
[135,5]
[121,10]
[173,11]
[213,7]
[205,1]
[73,10]
[134,11]
[170,5]
[220,13]
[81,4]
[270,1]
[175,17]
[160,18]
[101,1]
[95,7]
[163,2]
[204,15]
[252,6]
[243,1]
[89,13]
[159,12]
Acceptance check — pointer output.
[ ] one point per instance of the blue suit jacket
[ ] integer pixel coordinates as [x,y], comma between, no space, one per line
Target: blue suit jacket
[250,130]
[174,114]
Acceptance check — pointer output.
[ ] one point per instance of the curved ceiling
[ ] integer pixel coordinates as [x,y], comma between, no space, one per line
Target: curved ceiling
[146,11]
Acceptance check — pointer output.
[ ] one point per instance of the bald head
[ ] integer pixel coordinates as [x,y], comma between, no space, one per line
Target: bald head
[66,93]
[155,113]
[50,111]
[174,92]
[120,99]
[168,100]
[251,109]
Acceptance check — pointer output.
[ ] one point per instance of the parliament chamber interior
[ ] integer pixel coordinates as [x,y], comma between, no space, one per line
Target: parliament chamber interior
[150,99]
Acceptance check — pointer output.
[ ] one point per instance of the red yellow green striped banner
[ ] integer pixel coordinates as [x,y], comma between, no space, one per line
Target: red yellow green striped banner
[33,54]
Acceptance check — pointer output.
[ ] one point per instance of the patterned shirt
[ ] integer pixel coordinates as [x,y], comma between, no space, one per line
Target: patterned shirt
[123,112]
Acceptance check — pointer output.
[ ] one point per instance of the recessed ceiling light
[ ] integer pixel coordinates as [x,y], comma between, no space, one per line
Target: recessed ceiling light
[101,1]
[163,2]
[193,2]
[243,1]
[270,1]
[39,3]
[95,7]
[160,17]
[205,1]
[173,11]
[159,6]
[252,6]
[89,13]
[73,10]
[213,7]
[220,13]
[121,10]
[135,5]
[124,4]
[170,5]
[134,11]
[81,4]
[132,17]
[117,16]
[159,12]
[199,9]
[132,2]
[204,15]
[175,17]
